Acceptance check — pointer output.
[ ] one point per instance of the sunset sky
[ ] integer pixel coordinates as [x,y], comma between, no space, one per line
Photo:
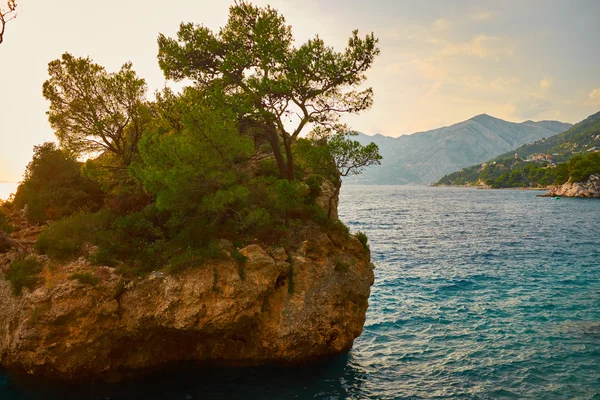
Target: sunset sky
[441,61]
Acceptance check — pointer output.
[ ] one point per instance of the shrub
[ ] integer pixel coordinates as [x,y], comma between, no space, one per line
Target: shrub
[239,257]
[241,261]
[4,224]
[86,278]
[66,238]
[195,257]
[363,239]
[314,183]
[341,266]
[103,257]
[23,273]
[53,186]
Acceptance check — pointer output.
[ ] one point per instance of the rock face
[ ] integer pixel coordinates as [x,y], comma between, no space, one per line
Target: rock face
[588,189]
[6,243]
[277,307]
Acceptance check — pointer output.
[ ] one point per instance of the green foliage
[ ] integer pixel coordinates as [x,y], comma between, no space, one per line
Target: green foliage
[104,257]
[65,239]
[362,237]
[4,224]
[288,197]
[195,257]
[341,266]
[350,157]
[53,187]
[165,180]
[136,240]
[23,273]
[190,155]
[86,278]
[241,261]
[94,111]
[515,173]
[252,61]
[239,257]
[582,166]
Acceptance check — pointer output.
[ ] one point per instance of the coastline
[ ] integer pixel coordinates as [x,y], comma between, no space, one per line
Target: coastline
[489,188]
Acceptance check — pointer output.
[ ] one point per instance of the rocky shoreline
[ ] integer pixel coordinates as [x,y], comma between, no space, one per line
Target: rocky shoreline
[281,306]
[589,189]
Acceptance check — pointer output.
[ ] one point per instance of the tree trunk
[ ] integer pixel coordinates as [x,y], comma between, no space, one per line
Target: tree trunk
[274,140]
[290,159]
[336,192]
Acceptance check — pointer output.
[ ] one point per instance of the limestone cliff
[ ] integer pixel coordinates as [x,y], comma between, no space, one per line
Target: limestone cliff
[278,307]
[588,189]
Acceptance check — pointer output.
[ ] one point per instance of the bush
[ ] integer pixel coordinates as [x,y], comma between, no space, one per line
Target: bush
[4,224]
[23,273]
[192,258]
[341,266]
[86,278]
[363,239]
[103,257]
[239,257]
[66,238]
[314,183]
[53,186]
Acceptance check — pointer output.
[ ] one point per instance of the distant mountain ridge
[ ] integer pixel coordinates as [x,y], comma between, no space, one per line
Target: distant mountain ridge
[540,163]
[425,157]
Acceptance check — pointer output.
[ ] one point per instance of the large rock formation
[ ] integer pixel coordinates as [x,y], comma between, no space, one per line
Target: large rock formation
[279,307]
[588,189]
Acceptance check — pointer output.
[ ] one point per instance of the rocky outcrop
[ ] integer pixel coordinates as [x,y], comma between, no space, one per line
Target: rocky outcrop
[588,189]
[6,243]
[328,199]
[278,307]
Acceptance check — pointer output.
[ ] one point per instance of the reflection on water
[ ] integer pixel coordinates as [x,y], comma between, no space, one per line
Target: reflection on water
[338,379]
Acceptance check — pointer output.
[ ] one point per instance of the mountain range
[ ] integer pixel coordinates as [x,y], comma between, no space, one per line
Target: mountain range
[527,166]
[425,157]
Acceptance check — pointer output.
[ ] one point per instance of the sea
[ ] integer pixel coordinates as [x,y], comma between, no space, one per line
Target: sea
[478,294]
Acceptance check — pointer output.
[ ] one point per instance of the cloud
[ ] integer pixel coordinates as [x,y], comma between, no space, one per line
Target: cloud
[545,83]
[441,24]
[484,16]
[594,98]
[532,107]
[481,46]
[428,70]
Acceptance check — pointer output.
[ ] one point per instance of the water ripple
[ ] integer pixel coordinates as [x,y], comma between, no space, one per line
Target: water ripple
[478,295]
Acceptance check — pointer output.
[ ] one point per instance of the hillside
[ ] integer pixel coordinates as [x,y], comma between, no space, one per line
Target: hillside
[571,155]
[424,157]
[581,137]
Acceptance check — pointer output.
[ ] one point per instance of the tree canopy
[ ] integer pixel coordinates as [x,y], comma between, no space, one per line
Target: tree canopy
[282,88]
[92,110]
[221,158]
[191,152]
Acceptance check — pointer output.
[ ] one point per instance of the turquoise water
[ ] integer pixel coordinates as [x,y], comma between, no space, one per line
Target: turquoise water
[478,295]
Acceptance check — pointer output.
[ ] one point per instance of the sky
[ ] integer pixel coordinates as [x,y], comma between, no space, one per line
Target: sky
[441,61]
